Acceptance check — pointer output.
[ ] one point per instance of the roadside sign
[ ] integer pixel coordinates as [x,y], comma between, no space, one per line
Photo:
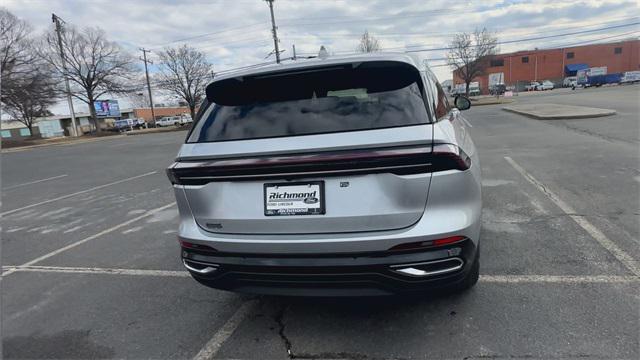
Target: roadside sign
[106,108]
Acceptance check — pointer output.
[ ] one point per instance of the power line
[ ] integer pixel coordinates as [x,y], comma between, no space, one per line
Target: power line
[539,37]
[244,27]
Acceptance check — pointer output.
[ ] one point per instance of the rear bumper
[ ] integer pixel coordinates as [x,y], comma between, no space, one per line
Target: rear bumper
[363,274]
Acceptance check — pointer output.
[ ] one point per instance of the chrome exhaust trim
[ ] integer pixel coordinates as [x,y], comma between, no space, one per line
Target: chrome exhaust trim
[200,267]
[429,268]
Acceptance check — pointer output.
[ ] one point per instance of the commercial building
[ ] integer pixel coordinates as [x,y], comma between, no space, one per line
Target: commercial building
[519,68]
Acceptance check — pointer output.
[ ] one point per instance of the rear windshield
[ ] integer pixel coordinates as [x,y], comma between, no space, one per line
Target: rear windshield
[370,95]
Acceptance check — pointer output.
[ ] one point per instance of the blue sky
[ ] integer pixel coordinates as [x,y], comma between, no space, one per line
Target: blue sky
[237,32]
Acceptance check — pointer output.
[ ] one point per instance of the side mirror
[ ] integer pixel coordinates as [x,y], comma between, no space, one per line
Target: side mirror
[462,103]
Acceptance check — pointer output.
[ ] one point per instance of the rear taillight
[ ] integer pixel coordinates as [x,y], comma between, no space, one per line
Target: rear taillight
[449,157]
[173,177]
[399,161]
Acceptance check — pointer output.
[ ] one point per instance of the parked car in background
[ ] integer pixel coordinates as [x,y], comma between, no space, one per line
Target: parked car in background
[533,86]
[169,121]
[630,77]
[545,85]
[128,124]
[570,81]
[322,188]
[185,119]
[460,89]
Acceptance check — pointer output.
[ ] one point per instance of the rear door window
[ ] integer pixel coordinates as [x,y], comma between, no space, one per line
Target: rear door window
[370,95]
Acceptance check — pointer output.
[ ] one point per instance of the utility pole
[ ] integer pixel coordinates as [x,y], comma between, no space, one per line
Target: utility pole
[146,72]
[56,20]
[294,51]
[273,30]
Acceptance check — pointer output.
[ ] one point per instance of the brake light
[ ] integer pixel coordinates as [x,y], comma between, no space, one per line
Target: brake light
[399,161]
[427,244]
[449,157]
[171,174]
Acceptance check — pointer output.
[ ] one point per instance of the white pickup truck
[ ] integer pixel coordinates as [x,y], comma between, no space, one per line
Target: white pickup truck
[178,120]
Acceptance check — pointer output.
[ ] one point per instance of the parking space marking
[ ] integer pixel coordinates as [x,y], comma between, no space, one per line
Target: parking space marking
[103,232]
[601,238]
[108,271]
[212,346]
[560,279]
[77,193]
[34,182]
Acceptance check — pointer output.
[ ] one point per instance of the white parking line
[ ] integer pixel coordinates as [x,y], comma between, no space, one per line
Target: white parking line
[90,270]
[34,182]
[103,232]
[77,193]
[516,279]
[601,238]
[559,279]
[212,346]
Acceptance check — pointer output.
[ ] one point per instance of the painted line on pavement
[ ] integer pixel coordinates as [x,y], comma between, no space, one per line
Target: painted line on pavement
[94,236]
[77,193]
[601,238]
[93,270]
[212,346]
[557,279]
[516,279]
[34,182]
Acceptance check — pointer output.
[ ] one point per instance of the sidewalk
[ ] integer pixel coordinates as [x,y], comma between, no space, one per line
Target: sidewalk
[557,112]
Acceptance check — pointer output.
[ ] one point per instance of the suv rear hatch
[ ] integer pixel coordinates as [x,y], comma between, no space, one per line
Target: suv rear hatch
[315,150]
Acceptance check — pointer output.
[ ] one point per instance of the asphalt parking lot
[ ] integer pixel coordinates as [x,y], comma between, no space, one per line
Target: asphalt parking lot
[91,267]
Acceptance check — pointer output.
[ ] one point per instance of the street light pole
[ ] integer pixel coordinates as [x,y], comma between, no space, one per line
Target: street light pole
[146,72]
[273,30]
[56,20]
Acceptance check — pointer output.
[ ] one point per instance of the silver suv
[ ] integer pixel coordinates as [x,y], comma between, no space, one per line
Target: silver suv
[325,177]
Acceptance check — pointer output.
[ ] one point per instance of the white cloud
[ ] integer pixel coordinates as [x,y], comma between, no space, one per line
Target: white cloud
[239,30]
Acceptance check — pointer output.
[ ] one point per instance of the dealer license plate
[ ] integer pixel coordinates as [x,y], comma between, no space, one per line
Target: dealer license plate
[286,199]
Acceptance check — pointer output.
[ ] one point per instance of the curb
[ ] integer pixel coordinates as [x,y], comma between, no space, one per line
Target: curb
[491,103]
[134,133]
[560,117]
[61,143]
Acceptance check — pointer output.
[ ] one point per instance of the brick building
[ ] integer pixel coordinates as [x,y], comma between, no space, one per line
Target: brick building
[519,68]
[160,112]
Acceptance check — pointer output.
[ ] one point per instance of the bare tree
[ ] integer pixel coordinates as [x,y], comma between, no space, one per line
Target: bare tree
[185,72]
[368,43]
[95,66]
[31,97]
[28,89]
[469,54]
[15,46]
[138,99]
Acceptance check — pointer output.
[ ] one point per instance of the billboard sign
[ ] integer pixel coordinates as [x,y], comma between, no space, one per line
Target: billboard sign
[107,108]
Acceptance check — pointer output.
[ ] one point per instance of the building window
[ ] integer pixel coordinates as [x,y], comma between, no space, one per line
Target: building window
[525,59]
[5,133]
[25,132]
[617,50]
[570,55]
[497,62]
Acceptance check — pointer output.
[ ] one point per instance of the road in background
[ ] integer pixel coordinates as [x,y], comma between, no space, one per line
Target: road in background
[110,283]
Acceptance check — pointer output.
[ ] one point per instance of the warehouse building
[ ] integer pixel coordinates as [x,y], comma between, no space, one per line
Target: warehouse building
[519,68]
